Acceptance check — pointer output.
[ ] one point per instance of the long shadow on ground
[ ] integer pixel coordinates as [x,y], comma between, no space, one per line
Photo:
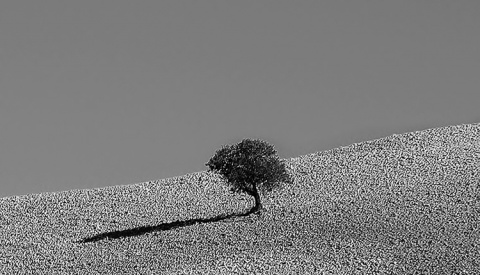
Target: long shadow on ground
[162,227]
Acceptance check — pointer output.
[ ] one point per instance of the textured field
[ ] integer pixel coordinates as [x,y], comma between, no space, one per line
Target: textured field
[405,204]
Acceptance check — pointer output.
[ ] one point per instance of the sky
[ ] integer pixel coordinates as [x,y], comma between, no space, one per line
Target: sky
[97,93]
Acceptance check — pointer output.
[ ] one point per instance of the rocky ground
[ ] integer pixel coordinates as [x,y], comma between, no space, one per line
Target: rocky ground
[405,204]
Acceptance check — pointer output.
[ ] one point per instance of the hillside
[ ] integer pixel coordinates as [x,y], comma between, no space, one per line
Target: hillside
[401,204]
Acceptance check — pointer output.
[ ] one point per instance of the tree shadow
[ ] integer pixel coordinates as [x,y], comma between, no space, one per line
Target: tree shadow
[162,227]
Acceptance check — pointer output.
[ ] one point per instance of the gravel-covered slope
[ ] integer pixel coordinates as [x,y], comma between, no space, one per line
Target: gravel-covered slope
[403,204]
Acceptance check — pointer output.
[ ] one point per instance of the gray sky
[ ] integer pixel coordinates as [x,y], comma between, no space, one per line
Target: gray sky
[96,93]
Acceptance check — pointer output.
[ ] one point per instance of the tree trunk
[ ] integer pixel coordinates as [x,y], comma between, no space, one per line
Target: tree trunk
[258,204]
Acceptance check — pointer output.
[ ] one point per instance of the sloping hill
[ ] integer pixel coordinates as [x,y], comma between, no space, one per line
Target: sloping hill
[397,205]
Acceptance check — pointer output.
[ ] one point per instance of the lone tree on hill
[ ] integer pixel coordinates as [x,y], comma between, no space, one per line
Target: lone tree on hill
[249,166]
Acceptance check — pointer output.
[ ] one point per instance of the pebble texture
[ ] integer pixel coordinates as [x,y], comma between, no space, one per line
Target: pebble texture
[404,204]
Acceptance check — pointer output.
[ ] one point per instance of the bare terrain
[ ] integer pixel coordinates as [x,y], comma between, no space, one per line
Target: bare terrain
[404,204]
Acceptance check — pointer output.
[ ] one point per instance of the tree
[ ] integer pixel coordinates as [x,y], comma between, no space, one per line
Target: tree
[250,166]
